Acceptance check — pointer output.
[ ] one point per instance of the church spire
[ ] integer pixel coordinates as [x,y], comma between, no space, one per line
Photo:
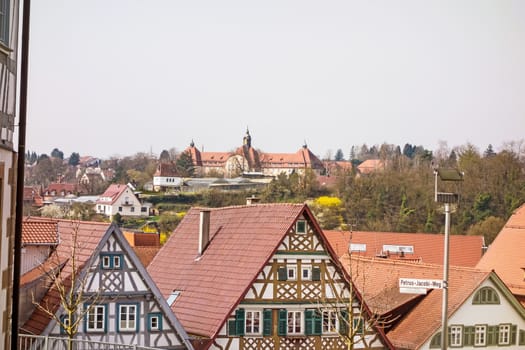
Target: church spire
[247,140]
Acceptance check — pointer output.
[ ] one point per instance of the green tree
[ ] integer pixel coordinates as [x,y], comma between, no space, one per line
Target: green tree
[164,156]
[185,165]
[488,228]
[56,153]
[74,159]
[339,156]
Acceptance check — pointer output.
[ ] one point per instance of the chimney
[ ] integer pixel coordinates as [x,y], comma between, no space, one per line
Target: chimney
[204,230]
[252,200]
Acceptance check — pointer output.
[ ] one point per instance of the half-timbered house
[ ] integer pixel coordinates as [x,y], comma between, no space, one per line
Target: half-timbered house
[121,303]
[259,276]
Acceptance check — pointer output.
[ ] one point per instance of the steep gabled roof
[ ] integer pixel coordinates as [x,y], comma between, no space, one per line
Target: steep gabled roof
[506,254]
[242,239]
[378,280]
[428,247]
[38,232]
[88,235]
[92,237]
[112,193]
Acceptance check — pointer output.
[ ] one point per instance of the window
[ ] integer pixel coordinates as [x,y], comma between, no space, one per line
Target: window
[127,318]
[66,322]
[111,261]
[329,321]
[144,209]
[306,274]
[300,227]
[96,318]
[120,209]
[292,271]
[456,335]
[480,335]
[132,209]
[294,322]
[154,322]
[504,334]
[253,322]
[486,295]
[436,341]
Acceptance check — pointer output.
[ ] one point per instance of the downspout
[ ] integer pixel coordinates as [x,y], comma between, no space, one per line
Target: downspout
[24,69]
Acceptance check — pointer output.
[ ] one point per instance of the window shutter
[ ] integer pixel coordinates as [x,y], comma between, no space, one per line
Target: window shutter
[239,321]
[318,323]
[316,274]
[282,274]
[232,327]
[492,335]
[449,336]
[267,322]
[283,322]
[513,331]
[436,341]
[343,322]
[522,337]
[468,339]
[309,322]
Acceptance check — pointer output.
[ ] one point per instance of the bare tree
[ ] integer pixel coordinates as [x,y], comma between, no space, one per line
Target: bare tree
[67,287]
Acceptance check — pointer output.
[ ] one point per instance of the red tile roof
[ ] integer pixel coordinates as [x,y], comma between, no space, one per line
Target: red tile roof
[506,254]
[428,247]
[37,232]
[113,192]
[61,187]
[378,281]
[32,194]
[146,254]
[371,165]
[88,235]
[242,239]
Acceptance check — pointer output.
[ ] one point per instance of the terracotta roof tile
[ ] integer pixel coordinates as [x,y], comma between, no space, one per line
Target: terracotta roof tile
[37,232]
[89,235]
[509,243]
[242,238]
[378,281]
[112,192]
[464,250]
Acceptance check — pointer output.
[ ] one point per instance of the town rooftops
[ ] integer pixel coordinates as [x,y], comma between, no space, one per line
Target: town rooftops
[37,232]
[210,285]
[506,254]
[415,247]
[418,322]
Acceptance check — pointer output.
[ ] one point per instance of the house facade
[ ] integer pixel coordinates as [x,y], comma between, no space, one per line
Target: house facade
[481,313]
[166,177]
[8,157]
[120,199]
[248,160]
[260,276]
[120,302]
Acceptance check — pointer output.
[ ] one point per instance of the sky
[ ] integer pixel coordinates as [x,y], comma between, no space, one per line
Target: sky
[117,77]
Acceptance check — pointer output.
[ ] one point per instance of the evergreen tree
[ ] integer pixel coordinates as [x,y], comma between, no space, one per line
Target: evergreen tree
[339,156]
[74,159]
[184,165]
[56,153]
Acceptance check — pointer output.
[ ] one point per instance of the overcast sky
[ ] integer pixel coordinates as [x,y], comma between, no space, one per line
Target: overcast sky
[117,77]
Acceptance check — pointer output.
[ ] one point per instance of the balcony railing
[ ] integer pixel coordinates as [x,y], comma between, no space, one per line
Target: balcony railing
[39,342]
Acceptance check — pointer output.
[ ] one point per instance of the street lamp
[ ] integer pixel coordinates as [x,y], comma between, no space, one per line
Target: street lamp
[449,179]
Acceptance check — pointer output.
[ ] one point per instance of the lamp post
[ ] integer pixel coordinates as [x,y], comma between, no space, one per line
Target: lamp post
[447,198]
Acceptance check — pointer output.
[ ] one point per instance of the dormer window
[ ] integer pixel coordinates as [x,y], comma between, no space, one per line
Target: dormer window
[300,227]
[111,261]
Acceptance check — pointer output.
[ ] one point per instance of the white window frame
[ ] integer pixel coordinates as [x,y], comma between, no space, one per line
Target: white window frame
[330,321]
[291,272]
[456,336]
[96,315]
[504,334]
[294,322]
[480,335]
[302,221]
[155,318]
[117,263]
[106,261]
[252,322]
[129,322]
[308,270]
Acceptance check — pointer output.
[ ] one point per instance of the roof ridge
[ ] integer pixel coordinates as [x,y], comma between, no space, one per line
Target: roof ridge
[413,264]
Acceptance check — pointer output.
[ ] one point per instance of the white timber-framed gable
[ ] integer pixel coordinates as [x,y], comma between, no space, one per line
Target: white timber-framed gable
[299,299]
[123,305]
[490,317]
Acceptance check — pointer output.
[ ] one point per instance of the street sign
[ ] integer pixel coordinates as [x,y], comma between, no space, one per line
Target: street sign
[418,286]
